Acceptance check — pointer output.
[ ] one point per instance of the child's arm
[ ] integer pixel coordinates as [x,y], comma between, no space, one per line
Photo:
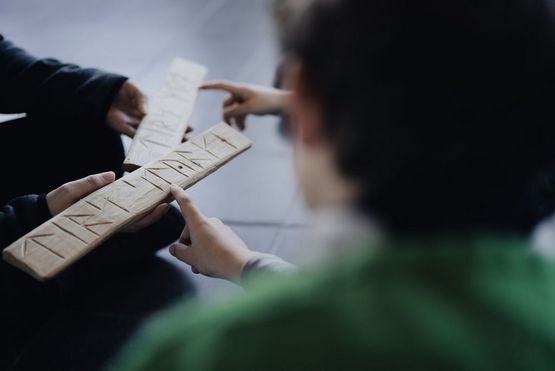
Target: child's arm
[213,249]
[248,99]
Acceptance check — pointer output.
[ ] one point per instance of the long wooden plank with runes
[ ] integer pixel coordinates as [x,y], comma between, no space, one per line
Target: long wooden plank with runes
[56,244]
[168,115]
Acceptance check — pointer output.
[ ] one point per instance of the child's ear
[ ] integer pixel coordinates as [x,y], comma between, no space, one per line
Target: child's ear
[308,123]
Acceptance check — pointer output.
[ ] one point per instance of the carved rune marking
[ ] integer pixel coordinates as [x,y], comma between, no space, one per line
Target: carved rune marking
[93,205]
[87,226]
[153,170]
[168,112]
[223,140]
[160,123]
[171,93]
[107,199]
[180,166]
[146,140]
[191,159]
[158,131]
[69,232]
[206,145]
[177,86]
[128,183]
[34,239]
[74,218]
[116,205]
[151,183]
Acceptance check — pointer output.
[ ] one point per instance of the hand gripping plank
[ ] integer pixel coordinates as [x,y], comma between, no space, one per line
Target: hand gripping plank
[168,115]
[61,241]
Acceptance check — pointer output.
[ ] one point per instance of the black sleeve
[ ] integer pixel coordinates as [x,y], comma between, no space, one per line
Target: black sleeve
[20,216]
[49,87]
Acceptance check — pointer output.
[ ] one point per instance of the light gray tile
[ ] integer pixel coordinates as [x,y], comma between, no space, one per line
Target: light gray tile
[298,215]
[252,188]
[291,246]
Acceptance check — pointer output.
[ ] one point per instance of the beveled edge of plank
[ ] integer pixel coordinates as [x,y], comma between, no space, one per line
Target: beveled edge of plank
[8,257]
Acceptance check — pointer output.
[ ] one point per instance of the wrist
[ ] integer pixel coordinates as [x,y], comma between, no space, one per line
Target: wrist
[49,202]
[238,261]
[280,101]
[117,84]
[43,211]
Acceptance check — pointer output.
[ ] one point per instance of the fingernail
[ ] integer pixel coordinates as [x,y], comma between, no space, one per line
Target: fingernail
[109,176]
[172,250]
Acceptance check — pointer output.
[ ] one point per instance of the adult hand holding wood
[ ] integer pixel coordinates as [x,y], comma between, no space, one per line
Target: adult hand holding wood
[248,99]
[127,109]
[206,244]
[63,197]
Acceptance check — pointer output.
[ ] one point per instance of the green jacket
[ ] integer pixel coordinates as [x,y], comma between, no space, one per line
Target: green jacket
[483,304]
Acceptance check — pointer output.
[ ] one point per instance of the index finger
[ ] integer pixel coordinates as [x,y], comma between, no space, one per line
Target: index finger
[189,210]
[222,85]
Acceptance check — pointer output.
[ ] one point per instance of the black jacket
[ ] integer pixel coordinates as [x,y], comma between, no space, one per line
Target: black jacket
[46,87]
[21,215]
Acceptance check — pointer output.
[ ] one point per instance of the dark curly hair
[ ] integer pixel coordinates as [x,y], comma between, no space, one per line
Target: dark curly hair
[443,111]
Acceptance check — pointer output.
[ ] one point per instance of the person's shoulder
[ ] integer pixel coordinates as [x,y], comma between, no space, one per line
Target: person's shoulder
[464,258]
[415,299]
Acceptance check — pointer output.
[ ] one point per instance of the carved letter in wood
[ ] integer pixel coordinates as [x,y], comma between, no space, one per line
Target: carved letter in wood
[56,244]
[163,127]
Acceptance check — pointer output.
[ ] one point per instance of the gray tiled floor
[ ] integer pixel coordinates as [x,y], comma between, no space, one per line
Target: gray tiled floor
[256,194]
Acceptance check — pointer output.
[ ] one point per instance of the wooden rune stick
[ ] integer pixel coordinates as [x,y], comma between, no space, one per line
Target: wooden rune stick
[168,115]
[61,241]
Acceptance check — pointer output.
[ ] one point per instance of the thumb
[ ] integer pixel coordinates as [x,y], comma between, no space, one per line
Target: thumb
[235,111]
[182,252]
[83,187]
[191,213]
[221,85]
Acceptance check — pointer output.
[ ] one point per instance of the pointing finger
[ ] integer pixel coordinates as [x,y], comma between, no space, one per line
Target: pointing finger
[222,85]
[191,213]
[151,218]
[182,252]
[185,236]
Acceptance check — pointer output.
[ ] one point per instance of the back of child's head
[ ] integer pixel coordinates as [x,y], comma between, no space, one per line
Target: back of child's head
[441,110]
